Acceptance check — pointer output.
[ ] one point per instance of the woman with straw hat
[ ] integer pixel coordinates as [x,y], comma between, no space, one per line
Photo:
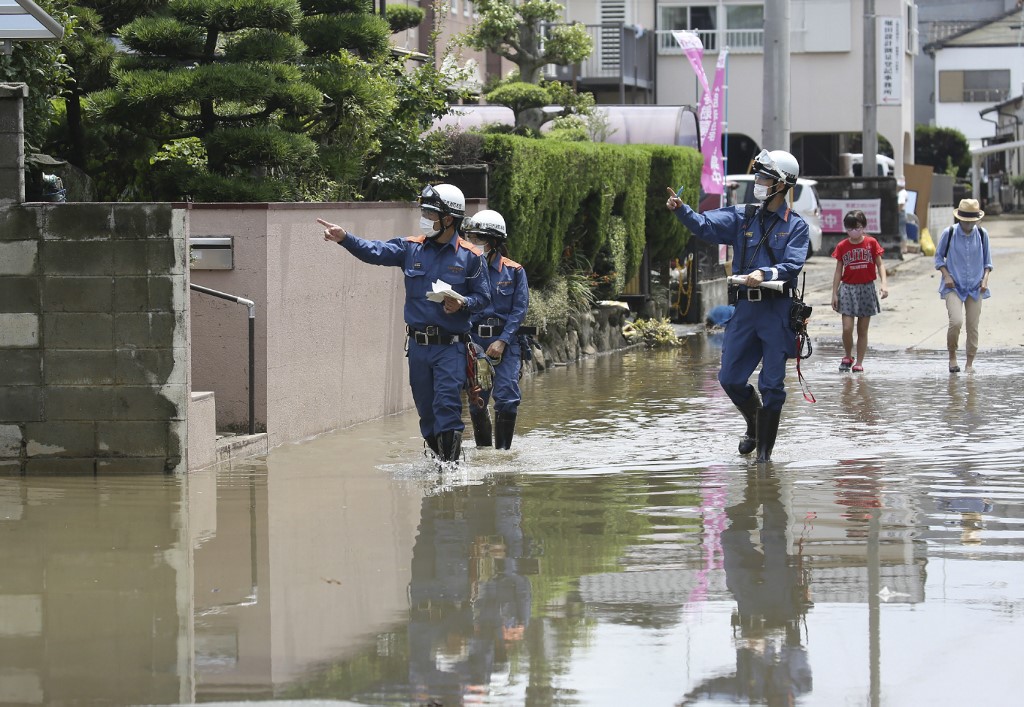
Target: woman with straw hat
[965,261]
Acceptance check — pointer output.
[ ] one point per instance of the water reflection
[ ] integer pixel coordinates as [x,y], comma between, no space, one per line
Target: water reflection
[621,554]
[470,596]
[772,595]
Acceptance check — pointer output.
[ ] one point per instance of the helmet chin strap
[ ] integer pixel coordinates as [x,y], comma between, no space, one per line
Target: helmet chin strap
[436,233]
[772,195]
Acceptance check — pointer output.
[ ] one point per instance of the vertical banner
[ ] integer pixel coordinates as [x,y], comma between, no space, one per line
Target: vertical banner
[712,177]
[710,110]
[889,43]
[691,45]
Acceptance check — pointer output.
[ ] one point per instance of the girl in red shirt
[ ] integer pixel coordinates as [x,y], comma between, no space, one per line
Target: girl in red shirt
[858,265]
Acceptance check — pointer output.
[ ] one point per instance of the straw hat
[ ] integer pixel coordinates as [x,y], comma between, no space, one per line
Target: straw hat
[969,210]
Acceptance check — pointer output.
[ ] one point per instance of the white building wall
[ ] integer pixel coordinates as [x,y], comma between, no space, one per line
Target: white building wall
[966,117]
[826,75]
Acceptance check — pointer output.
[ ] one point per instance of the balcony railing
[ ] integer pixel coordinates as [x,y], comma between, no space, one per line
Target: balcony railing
[739,41]
[622,55]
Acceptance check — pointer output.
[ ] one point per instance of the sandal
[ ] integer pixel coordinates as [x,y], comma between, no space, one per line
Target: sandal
[954,369]
[858,369]
[845,364]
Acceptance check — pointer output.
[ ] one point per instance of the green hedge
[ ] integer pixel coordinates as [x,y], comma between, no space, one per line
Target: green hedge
[558,199]
[670,167]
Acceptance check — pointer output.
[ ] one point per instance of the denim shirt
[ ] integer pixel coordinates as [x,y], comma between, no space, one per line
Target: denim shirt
[457,262]
[968,259]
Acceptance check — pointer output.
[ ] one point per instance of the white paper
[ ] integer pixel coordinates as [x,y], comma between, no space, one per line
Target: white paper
[776,285]
[440,290]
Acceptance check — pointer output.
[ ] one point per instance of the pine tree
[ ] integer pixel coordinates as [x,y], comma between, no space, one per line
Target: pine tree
[218,82]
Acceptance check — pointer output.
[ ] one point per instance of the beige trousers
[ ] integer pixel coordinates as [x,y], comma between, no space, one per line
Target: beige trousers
[956,310]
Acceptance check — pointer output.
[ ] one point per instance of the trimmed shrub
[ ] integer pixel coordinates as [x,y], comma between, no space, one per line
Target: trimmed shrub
[558,199]
[403,17]
[670,167]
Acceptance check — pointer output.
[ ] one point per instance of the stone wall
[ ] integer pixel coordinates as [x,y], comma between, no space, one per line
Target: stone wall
[586,334]
[93,336]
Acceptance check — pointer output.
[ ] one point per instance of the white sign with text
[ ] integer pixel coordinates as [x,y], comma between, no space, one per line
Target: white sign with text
[833,211]
[889,42]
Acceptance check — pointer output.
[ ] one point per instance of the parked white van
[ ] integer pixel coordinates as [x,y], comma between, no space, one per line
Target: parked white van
[851,164]
[803,199]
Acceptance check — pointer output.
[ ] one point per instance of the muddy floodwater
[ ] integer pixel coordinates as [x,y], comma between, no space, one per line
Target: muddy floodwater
[621,553]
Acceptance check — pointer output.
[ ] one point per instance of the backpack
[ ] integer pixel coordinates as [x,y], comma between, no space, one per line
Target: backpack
[984,242]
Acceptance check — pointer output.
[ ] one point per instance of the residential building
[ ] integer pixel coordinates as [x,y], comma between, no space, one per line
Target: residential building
[826,68]
[938,20]
[975,69]
[1001,161]
[454,18]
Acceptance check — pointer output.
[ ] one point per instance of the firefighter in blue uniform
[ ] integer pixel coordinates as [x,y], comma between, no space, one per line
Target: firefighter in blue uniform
[496,329]
[769,244]
[438,331]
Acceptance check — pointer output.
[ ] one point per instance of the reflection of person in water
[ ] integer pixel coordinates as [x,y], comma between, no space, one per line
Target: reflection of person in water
[771,599]
[470,600]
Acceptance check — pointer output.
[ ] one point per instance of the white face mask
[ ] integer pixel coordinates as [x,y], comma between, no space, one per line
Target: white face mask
[760,192]
[428,227]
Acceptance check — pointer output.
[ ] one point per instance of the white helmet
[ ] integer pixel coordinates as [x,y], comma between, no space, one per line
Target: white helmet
[486,223]
[777,164]
[444,199]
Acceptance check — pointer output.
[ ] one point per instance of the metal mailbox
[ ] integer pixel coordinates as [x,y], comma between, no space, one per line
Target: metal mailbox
[211,253]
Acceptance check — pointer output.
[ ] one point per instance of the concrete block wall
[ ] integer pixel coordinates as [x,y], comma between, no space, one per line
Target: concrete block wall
[12,142]
[93,337]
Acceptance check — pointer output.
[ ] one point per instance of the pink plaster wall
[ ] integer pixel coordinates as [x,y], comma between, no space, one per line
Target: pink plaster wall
[330,334]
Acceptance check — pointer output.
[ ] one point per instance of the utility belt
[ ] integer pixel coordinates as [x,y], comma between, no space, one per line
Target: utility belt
[493,327]
[756,294]
[435,335]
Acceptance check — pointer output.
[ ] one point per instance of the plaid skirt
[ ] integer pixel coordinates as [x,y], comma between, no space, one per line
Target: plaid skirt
[858,300]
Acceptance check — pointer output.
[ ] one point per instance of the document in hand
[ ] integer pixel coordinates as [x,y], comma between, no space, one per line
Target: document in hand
[442,289]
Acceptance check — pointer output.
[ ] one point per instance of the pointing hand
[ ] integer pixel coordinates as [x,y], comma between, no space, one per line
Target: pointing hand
[674,202]
[332,232]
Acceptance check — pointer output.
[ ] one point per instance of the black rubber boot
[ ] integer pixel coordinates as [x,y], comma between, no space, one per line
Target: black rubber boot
[504,429]
[749,410]
[481,427]
[431,443]
[767,431]
[451,445]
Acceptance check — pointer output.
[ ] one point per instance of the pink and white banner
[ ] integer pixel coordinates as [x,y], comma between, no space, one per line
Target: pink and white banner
[710,110]
[692,47]
[712,177]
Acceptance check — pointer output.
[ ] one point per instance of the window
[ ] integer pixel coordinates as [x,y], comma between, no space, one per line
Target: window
[738,27]
[744,16]
[974,86]
[744,26]
[694,17]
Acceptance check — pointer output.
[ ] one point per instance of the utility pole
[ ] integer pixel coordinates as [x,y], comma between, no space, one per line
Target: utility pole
[775,106]
[869,141]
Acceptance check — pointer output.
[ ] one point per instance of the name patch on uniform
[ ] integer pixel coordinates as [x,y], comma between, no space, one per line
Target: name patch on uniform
[504,282]
[783,234]
[417,266]
[456,269]
[749,234]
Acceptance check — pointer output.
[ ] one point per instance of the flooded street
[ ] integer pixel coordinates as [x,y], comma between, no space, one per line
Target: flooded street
[621,553]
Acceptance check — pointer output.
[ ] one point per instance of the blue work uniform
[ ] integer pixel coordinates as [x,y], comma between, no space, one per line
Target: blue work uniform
[437,340]
[500,320]
[759,330]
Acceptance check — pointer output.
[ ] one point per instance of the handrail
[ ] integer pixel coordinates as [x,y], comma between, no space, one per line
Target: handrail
[252,344]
